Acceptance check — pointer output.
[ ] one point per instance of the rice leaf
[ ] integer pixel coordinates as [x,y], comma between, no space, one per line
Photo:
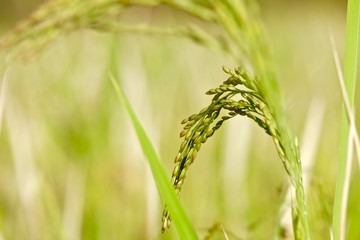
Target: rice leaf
[183,226]
[350,74]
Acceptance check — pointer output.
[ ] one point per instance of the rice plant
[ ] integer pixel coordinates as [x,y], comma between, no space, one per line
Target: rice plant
[249,89]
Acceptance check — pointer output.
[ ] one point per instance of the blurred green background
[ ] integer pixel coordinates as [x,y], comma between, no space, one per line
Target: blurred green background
[71,166]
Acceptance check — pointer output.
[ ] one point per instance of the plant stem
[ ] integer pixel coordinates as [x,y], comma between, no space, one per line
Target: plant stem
[350,74]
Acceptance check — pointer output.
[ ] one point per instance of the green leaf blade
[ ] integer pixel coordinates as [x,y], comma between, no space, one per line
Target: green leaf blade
[183,226]
[350,75]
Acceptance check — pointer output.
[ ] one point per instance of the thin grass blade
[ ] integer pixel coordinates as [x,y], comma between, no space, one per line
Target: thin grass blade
[349,113]
[350,75]
[183,226]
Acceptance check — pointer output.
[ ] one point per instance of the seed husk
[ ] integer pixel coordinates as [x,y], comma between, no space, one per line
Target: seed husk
[193,117]
[182,146]
[184,132]
[209,133]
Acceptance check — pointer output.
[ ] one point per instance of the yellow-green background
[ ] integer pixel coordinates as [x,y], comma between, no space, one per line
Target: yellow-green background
[70,163]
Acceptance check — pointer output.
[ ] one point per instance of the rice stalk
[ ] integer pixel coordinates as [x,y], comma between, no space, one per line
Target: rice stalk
[349,113]
[259,96]
[352,41]
[353,140]
[198,128]
[310,141]
[262,104]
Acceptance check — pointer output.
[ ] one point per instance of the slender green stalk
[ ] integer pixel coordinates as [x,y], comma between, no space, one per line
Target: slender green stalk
[243,40]
[184,228]
[350,75]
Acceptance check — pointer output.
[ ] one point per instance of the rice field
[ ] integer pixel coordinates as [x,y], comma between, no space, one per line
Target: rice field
[72,165]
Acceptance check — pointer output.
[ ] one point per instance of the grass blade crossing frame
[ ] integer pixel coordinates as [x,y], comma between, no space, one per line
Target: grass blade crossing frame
[183,226]
[350,74]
